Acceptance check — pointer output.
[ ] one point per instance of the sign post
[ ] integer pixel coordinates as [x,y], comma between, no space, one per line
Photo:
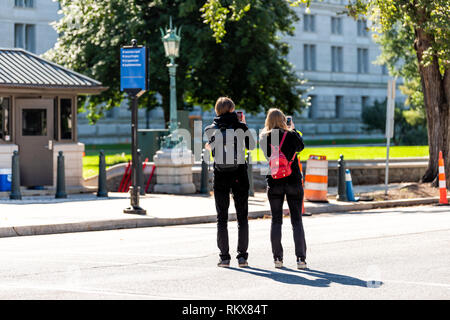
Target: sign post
[390,111]
[134,81]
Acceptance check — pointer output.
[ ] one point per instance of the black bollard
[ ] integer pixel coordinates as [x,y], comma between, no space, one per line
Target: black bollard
[60,178]
[204,185]
[102,183]
[342,192]
[251,190]
[15,179]
[140,174]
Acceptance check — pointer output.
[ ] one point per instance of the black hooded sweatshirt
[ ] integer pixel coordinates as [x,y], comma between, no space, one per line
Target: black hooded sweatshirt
[229,120]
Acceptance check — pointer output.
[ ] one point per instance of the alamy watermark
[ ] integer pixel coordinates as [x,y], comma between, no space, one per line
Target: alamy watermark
[228,146]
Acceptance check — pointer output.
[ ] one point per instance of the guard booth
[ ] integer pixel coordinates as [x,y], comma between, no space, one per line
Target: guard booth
[38,117]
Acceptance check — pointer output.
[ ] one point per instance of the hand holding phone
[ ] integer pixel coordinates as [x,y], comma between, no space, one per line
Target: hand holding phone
[241,116]
[290,122]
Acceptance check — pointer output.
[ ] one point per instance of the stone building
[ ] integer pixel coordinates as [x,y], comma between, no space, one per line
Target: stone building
[334,52]
[26,24]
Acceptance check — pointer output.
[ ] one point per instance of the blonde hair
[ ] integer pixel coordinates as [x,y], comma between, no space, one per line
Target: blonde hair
[223,105]
[275,119]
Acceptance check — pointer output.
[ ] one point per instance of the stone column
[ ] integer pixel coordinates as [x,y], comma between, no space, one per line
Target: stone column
[174,171]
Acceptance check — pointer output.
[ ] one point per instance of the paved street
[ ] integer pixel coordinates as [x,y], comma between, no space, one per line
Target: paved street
[401,253]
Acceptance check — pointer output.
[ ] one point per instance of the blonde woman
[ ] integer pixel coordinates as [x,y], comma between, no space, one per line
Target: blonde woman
[276,134]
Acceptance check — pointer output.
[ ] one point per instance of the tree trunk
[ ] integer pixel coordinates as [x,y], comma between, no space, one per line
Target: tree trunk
[436,105]
[447,97]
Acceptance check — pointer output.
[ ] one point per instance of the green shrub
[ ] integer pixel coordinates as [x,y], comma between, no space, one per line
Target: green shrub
[410,126]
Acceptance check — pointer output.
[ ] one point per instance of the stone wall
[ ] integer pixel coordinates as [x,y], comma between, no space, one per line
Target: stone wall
[6,153]
[363,173]
[73,163]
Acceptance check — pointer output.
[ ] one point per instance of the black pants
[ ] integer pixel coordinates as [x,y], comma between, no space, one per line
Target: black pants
[294,196]
[236,182]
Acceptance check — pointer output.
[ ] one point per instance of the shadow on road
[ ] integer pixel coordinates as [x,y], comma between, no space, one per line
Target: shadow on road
[323,279]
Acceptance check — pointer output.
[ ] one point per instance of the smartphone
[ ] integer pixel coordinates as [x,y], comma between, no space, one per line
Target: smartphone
[240,115]
[288,121]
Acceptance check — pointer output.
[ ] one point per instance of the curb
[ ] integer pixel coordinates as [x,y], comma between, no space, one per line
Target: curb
[356,206]
[146,222]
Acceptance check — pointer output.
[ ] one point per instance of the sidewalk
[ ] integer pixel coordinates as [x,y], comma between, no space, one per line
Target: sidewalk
[85,212]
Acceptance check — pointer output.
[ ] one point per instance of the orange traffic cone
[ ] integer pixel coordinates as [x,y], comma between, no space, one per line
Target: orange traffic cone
[442,183]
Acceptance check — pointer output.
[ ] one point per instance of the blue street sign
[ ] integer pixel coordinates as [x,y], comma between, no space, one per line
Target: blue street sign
[133,69]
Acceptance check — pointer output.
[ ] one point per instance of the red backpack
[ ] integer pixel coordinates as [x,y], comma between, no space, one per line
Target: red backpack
[279,165]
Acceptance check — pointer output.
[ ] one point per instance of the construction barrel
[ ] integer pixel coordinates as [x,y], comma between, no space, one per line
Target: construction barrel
[316,178]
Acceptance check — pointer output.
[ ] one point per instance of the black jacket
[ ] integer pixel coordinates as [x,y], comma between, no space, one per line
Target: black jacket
[228,120]
[292,144]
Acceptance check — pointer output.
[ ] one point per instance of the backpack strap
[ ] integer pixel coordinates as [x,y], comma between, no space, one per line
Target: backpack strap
[281,143]
[282,140]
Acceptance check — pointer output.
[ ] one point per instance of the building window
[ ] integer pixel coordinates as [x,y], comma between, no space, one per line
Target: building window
[66,119]
[384,69]
[336,25]
[309,57]
[364,101]
[34,122]
[309,23]
[5,119]
[339,107]
[363,60]
[362,28]
[337,59]
[313,109]
[25,36]
[24,3]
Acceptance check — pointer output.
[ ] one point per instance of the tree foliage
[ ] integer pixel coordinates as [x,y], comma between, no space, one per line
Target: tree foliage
[216,13]
[420,29]
[249,63]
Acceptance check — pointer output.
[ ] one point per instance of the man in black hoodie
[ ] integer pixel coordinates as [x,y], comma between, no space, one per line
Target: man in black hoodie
[227,138]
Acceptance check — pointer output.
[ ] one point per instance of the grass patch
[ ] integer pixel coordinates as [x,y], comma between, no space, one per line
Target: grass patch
[114,154]
[357,153]
[343,142]
[120,153]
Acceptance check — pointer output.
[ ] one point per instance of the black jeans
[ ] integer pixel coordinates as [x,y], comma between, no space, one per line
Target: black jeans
[294,196]
[236,182]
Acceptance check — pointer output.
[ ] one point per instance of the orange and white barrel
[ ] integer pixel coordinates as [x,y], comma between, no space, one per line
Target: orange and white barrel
[442,182]
[316,178]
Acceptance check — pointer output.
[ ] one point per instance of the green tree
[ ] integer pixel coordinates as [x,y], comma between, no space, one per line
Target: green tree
[249,64]
[423,26]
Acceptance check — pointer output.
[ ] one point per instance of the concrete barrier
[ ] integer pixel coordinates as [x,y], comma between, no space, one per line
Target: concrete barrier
[367,172]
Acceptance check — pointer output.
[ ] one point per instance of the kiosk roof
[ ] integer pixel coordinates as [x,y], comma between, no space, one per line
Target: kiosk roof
[21,69]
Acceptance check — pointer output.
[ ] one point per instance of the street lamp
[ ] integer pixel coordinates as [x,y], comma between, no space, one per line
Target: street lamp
[171,39]
[174,160]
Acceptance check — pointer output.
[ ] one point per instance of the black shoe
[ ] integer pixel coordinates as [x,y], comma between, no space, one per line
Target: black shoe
[224,263]
[242,262]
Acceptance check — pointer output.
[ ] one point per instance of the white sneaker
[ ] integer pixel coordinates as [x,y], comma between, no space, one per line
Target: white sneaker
[278,263]
[301,265]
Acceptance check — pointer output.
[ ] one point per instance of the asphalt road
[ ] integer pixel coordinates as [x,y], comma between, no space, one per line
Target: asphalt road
[401,253]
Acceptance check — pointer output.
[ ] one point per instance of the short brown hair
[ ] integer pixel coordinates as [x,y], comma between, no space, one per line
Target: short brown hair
[223,105]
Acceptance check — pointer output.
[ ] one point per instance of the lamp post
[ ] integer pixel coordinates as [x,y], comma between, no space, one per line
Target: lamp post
[174,160]
[171,39]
